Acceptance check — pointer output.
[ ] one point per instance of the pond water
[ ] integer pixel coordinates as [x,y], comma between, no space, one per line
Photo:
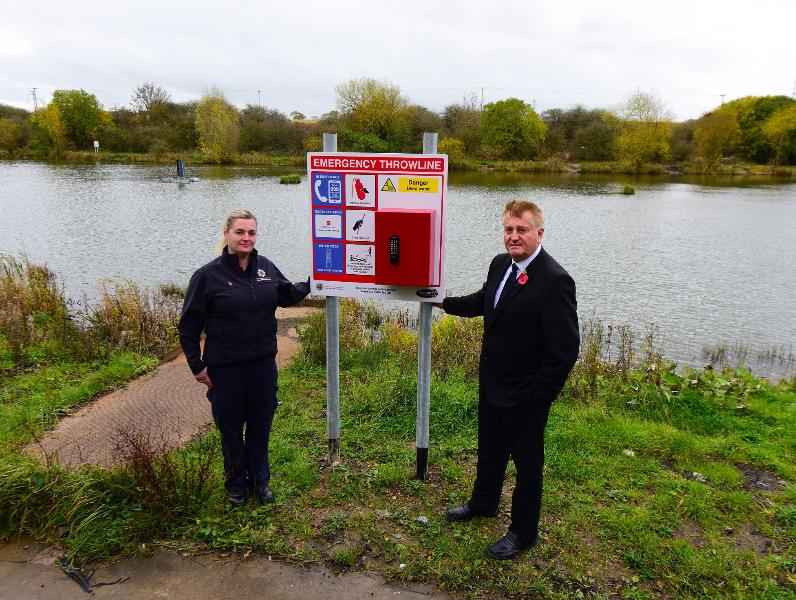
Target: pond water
[708,261]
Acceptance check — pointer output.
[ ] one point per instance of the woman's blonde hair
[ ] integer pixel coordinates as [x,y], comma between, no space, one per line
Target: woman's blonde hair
[239,213]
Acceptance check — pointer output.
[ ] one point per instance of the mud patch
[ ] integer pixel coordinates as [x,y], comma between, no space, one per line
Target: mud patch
[691,534]
[751,539]
[758,480]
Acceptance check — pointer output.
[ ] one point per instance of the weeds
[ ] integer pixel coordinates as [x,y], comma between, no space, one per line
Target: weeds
[33,309]
[170,485]
[133,318]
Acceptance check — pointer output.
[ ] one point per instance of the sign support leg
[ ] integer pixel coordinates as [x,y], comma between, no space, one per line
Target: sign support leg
[424,360]
[332,353]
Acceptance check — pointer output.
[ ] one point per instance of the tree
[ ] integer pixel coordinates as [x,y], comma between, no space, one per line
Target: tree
[151,100]
[82,115]
[268,130]
[218,126]
[780,129]
[10,134]
[375,108]
[511,129]
[462,121]
[563,127]
[49,130]
[297,115]
[752,112]
[596,140]
[715,134]
[646,130]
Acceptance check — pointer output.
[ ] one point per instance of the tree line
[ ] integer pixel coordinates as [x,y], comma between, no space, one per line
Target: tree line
[373,116]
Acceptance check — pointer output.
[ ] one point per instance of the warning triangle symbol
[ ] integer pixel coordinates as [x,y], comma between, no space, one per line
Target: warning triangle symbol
[388,186]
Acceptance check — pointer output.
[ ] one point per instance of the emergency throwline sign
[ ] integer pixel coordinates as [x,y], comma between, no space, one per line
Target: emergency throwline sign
[378,225]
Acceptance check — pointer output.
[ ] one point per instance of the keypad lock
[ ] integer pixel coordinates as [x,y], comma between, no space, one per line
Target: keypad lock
[395,248]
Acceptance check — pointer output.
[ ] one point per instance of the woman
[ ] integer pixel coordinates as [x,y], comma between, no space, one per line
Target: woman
[233,299]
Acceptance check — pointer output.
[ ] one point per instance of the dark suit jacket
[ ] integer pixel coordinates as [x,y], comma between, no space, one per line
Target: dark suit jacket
[531,338]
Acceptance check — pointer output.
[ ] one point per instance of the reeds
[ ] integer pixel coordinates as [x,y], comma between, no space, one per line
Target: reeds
[39,324]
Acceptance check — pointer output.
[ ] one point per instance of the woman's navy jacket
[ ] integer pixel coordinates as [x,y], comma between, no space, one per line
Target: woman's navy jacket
[236,309]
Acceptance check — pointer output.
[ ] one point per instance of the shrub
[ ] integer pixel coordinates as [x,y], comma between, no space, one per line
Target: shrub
[358,322]
[453,147]
[130,317]
[32,306]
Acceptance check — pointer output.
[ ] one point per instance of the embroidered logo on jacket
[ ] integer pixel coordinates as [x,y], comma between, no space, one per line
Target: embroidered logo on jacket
[261,275]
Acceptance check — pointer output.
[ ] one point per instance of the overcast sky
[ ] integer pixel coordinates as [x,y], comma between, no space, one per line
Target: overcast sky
[552,54]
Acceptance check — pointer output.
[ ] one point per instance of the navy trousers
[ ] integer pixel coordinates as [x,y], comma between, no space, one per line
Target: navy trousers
[243,398]
[516,432]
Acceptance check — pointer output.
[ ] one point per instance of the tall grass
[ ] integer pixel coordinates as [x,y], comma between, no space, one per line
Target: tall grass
[130,317]
[40,325]
[33,310]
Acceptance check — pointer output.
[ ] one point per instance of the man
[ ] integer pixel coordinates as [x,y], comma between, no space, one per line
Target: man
[530,343]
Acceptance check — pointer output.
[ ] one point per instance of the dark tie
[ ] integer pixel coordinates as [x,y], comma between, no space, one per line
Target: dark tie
[510,283]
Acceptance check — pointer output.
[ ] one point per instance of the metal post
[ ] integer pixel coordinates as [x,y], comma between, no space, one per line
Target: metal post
[424,360]
[332,353]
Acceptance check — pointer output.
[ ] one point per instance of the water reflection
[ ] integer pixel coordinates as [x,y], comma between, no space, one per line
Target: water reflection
[709,263]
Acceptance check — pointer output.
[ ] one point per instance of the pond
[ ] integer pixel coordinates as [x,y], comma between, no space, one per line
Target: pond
[708,261]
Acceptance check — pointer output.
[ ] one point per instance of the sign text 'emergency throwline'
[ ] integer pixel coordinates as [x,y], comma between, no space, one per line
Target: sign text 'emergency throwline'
[369,163]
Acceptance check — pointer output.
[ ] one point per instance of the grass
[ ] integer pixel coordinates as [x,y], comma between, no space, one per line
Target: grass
[659,483]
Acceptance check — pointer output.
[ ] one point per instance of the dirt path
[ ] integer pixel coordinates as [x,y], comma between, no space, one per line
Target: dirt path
[27,570]
[167,403]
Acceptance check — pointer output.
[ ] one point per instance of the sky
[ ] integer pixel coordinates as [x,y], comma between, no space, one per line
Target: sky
[291,56]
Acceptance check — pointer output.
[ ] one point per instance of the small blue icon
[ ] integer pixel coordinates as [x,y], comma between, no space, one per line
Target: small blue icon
[328,258]
[327,188]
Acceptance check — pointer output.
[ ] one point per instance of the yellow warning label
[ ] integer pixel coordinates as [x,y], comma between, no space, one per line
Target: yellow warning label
[388,186]
[428,185]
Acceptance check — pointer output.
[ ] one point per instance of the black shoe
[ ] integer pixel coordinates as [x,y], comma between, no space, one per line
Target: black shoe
[509,546]
[265,495]
[465,512]
[237,498]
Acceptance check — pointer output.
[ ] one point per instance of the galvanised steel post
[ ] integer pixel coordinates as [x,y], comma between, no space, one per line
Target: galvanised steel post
[424,360]
[332,352]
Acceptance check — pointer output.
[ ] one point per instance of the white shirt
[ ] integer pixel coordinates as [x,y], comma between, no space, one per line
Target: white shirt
[521,266]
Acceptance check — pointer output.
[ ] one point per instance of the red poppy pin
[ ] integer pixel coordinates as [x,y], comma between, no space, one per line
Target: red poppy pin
[523,278]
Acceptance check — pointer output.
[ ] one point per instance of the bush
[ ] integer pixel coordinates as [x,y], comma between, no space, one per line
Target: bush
[32,306]
[130,317]
[454,148]
[358,322]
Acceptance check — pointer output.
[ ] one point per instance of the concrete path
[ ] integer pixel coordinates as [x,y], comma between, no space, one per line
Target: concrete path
[28,570]
[168,403]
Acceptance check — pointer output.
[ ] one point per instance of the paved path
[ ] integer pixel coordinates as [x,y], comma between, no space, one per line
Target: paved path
[168,404]
[27,570]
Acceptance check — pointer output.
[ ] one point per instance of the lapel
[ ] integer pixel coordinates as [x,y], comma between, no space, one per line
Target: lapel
[531,272]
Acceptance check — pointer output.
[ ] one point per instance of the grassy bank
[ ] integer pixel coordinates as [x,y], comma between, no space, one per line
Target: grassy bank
[658,483]
[551,165]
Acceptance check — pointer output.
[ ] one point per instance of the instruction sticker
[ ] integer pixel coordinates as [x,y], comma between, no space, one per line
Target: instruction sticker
[327,188]
[361,225]
[328,223]
[360,190]
[360,259]
[328,258]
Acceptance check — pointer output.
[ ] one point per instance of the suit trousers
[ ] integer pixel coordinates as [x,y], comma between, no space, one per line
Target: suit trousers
[244,396]
[516,432]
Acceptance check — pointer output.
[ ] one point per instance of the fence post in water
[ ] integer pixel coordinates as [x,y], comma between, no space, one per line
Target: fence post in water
[424,360]
[332,352]
[180,168]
